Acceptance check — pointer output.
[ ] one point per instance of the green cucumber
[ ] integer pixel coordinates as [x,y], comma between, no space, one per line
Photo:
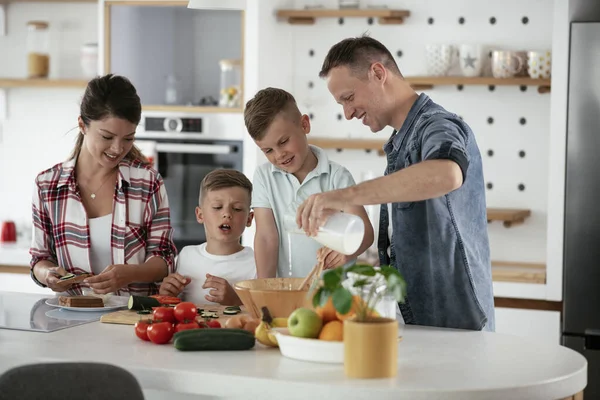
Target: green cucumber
[67,276]
[214,339]
[142,303]
[212,331]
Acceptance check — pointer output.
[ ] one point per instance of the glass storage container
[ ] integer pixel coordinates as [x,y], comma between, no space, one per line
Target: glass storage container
[38,55]
[231,76]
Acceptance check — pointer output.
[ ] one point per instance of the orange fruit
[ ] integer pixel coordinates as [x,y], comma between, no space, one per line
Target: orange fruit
[327,312]
[356,302]
[332,331]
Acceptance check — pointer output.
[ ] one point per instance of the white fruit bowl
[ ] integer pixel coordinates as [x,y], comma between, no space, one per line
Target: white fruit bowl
[315,350]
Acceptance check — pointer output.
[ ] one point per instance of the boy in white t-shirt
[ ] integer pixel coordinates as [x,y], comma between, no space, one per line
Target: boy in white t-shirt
[205,273]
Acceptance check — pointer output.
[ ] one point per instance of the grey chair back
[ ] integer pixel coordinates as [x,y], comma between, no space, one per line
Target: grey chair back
[69,381]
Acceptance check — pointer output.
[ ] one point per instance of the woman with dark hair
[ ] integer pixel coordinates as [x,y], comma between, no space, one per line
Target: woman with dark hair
[105,210]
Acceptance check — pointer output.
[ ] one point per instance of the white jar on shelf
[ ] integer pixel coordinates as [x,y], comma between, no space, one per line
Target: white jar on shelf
[231,76]
[38,54]
[89,60]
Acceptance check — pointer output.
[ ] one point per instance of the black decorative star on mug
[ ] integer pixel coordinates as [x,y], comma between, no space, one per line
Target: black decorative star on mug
[470,61]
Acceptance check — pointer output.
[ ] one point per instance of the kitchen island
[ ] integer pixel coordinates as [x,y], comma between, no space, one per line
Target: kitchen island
[433,364]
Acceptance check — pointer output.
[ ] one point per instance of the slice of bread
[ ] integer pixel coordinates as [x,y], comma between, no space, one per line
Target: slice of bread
[80,301]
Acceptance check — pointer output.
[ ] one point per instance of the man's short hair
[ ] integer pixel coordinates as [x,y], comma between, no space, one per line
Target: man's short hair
[358,54]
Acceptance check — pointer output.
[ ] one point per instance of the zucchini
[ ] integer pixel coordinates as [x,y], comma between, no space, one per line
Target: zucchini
[210,314]
[214,339]
[212,331]
[231,312]
[142,303]
[67,276]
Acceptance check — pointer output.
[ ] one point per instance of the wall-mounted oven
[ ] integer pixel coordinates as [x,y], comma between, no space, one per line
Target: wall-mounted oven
[184,151]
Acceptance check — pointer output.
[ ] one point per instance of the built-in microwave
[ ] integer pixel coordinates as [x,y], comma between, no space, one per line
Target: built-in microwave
[183,151]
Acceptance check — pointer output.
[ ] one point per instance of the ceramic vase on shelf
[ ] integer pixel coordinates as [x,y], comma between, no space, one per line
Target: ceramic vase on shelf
[440,58]
[539,64]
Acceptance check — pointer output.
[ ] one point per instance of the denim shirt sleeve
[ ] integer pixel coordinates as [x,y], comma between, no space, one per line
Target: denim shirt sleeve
[444,139]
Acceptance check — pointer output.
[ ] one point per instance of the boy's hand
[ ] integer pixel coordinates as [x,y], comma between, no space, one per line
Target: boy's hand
[332,259]
[173,285]
[220,291]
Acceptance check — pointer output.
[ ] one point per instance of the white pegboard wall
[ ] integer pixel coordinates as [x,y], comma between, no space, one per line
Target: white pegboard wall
[510,124]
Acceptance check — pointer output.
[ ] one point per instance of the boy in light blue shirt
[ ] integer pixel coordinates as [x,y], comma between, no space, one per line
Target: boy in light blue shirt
[295,171]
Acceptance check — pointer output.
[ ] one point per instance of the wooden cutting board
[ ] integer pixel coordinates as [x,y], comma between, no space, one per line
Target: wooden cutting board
[128,317]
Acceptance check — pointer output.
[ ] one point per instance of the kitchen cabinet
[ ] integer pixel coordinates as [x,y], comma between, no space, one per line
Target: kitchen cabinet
[171,53]
[538,325]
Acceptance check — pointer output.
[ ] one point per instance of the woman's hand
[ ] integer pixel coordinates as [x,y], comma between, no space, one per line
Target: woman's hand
[220,291]
[113,278]
[173,285]
[53,279]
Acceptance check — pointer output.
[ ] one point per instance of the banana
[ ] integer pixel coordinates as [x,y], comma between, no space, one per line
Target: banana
[263,332]
[262,335]
[279,322]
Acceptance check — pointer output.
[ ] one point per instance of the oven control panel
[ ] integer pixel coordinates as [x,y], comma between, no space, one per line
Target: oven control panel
[173,124]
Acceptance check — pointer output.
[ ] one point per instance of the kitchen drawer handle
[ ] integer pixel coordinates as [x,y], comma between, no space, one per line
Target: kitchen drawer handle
[193,148]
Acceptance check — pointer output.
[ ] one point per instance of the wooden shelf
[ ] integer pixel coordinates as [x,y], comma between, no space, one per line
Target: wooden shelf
[42,83]
[14,269]
[308,17]
[509,216]
[196,109]
[48,1]
[349,144]
[506,271]
[428,82]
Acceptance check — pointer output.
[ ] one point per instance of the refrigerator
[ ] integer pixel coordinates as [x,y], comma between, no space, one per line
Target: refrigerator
[581,291]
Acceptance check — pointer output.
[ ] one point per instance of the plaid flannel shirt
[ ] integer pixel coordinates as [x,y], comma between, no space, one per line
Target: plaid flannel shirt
[141,227]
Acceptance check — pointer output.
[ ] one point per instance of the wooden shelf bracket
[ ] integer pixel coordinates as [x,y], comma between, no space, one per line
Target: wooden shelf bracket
[509,217]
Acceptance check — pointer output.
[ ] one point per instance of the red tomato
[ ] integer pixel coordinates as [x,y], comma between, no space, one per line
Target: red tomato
[163,314]
[185,311]
[183,326]
[213,323]
[141,329]
[160,332]
[166,299]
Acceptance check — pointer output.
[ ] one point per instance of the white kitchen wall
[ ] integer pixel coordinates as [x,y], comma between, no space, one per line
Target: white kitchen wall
[520,119]
[39,129]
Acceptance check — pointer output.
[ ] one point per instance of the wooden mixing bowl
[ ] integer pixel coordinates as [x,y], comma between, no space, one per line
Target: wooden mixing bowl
[277,294]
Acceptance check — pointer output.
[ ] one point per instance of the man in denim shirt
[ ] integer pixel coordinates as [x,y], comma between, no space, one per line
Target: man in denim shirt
[433,180]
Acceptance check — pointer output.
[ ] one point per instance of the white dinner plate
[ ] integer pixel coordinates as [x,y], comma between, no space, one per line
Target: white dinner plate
[111,303]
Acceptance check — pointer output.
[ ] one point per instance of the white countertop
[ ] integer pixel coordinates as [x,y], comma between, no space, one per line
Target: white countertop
[14,254]
[433,364]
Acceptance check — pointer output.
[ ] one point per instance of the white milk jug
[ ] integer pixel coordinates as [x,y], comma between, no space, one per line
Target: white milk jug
[342,232]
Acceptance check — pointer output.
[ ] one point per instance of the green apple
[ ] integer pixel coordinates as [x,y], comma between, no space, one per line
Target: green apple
[304,322]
